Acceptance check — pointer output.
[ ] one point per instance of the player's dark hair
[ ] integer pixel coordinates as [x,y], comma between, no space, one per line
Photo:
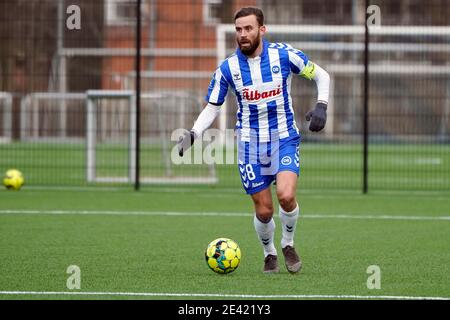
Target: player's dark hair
[248,11]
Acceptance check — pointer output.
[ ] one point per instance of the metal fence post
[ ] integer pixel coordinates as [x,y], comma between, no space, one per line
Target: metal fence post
[138,94]
[366,102]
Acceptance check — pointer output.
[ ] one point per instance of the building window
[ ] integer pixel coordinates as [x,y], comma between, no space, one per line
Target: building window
[212,12]
[121,12]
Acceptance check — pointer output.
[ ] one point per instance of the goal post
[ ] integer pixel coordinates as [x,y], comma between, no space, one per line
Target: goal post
[91,133]
[103,125]
[6,116]
[161,113]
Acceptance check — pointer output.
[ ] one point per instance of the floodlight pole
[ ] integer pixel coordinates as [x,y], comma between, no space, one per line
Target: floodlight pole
[138,95]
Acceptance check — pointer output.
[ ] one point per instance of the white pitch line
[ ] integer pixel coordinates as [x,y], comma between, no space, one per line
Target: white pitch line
[375,217]
[216,295]
[220,214]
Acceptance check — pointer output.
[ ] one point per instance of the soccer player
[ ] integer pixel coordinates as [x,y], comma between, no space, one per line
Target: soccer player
[259,74]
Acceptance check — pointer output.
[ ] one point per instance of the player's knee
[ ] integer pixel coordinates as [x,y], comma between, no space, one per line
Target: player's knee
[264,216]
[264,212]
[287,200]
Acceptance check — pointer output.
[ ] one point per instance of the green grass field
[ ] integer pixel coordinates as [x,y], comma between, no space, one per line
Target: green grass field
[152,243]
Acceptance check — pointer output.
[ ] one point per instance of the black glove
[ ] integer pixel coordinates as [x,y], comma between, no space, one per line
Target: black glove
[186,141]
[318,117]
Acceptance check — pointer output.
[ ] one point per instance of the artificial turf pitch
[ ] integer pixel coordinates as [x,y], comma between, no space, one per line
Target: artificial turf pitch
[152,243]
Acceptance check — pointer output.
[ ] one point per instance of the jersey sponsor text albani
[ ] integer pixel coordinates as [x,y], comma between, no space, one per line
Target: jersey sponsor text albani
[262,87]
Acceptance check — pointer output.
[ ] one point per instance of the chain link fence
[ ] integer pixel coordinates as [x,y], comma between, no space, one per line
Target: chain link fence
[71,95]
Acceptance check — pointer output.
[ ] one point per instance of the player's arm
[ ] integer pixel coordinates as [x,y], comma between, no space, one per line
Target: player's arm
[300,64]
[318,116]
[203,122]
[215,97]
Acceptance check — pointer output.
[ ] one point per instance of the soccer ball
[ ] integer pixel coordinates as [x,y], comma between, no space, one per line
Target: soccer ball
[223,255]
[13,179]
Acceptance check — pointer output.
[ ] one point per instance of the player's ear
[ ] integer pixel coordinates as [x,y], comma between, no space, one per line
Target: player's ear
[262,29]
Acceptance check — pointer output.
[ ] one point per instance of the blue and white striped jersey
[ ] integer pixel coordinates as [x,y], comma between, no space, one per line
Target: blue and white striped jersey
[262,87]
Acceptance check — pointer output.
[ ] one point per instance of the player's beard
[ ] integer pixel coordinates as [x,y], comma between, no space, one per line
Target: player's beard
[248,51]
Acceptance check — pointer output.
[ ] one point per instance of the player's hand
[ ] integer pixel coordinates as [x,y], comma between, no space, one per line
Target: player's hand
[185,141]
[318,117]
